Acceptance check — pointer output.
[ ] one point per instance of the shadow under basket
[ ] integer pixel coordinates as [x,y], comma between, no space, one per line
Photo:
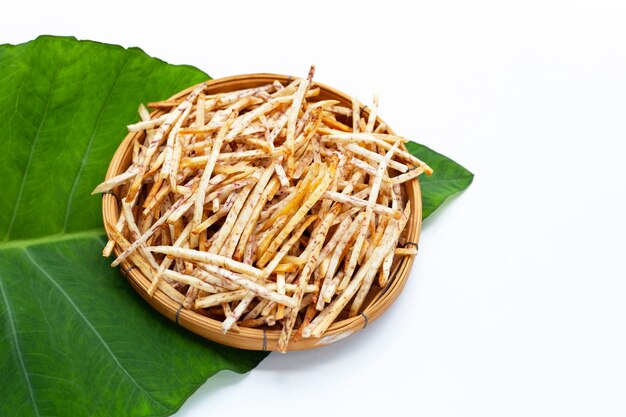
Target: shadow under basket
[378,300]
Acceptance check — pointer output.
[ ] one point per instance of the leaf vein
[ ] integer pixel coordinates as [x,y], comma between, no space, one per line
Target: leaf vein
[90,142]
[91,327]
[90,233]
[30,157]
[16,348]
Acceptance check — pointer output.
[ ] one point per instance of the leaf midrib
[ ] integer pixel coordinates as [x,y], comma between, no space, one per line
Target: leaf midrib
[58,237]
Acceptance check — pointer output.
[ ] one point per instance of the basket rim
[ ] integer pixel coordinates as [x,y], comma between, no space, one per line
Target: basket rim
[254,338]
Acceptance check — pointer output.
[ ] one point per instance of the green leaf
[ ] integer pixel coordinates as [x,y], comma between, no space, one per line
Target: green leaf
[75,340]
[448,178]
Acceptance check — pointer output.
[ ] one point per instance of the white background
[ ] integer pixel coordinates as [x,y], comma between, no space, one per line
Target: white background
[516,304]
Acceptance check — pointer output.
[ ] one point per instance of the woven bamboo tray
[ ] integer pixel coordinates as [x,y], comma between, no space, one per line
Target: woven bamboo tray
[379,299]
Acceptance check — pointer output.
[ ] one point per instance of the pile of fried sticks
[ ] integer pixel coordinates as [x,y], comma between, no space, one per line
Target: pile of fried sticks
[260,207]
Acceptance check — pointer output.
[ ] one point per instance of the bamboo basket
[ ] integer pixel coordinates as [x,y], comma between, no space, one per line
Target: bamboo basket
[377,302]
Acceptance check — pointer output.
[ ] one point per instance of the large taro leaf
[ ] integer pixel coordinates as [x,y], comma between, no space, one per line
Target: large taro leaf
[448,178]
[75,340]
